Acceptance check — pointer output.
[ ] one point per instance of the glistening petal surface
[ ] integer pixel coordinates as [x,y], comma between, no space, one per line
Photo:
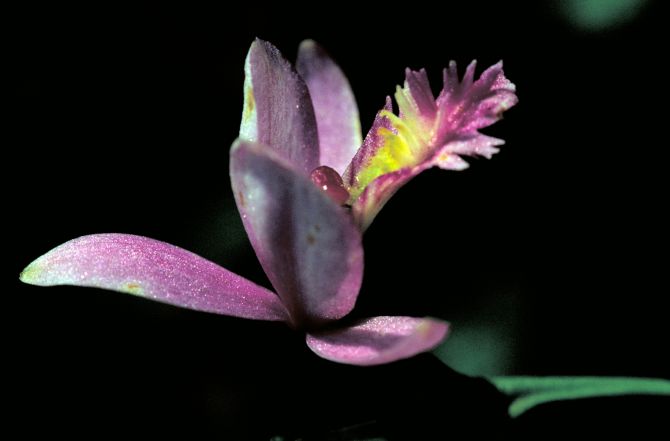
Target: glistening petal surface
[379,340]
[278,109]
[427,132]
[334,106]
[308,245]
[155,270]
[353,175]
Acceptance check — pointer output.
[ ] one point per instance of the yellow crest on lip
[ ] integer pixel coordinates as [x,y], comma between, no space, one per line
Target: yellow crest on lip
[405,145]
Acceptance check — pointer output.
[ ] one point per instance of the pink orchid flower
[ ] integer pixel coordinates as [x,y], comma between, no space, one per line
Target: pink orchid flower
[307,186]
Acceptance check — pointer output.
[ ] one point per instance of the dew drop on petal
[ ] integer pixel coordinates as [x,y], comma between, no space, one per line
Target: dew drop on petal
[330,182]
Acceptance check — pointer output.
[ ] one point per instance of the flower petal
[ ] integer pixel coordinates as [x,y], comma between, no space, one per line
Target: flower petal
[309,246]
[334,106]
[379,340]
[469,106]
[277,108]
[418,89]
[373,141]
[427,133]
[155,270]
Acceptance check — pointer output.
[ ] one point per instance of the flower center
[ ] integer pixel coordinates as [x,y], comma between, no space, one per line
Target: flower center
[330,182]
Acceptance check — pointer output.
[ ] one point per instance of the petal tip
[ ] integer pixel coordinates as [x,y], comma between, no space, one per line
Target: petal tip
[434,330]
[264,48]
[257,41]
[31,274]
[237,144]
[308,44]
[156,270]
[379,340]
[255,45]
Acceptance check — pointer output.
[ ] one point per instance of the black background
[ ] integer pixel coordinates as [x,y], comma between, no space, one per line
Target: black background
[120,120]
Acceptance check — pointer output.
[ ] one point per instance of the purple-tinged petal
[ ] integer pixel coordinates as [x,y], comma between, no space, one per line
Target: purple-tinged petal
[448,157]
[418,93]
[469,106]
[334,106]
[451,162]
[278,109]
[427,133]
[373,140]
[308,245]
[155,270]
[379,340]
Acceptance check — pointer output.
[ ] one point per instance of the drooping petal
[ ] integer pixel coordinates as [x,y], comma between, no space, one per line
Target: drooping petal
[308,245]
[155,270]
[277,109]
[334,106]
[427,133]
[379,340]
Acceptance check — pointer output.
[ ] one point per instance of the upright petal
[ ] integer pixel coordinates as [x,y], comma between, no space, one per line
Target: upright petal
[379,340]
[334,106]
[419,93]
[155,270]
[359,164]
[308,245]
[428,132]
[277,108]
[467,107]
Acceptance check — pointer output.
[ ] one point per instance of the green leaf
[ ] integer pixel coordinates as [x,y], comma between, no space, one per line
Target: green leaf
[533,391]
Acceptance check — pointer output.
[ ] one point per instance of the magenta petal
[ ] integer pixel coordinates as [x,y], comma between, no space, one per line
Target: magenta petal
[277,109]
[419,89]
[373,141]
[308,245]
[334,105]
[428,132]
[155,270]
[468,106]
[379,340]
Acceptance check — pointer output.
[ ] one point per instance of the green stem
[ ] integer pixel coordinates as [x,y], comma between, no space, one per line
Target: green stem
[533,391]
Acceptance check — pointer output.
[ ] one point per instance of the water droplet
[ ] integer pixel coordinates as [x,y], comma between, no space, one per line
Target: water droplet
[330,182]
